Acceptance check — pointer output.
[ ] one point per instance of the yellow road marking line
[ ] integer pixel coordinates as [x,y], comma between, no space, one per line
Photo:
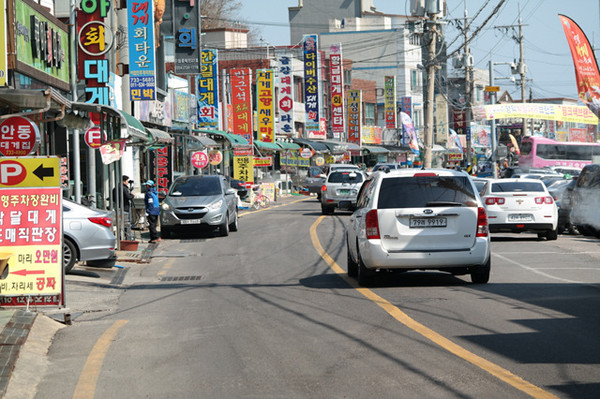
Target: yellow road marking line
[86,386]
[166,267]
[492,368]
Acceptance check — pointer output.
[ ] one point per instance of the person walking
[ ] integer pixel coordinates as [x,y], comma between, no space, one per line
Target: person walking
[125,207]
[152,210]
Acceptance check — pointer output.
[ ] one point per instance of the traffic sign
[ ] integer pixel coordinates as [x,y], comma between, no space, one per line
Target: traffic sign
[94,137]
[29,172]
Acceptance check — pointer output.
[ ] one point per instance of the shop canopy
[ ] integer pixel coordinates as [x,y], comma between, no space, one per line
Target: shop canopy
[372,149]
[340,147]
[132,127]
[235,140]
[315,145]
[397,149]
[160,138]
[33,102]
[287,145]
[263,145]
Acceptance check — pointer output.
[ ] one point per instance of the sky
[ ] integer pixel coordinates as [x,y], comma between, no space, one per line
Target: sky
[550,71]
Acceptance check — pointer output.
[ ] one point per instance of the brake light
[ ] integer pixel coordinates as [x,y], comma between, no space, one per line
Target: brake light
[323,188]
[104,221]
[372,225]
[425,174]
[482,223]
[544,200]
[494,200]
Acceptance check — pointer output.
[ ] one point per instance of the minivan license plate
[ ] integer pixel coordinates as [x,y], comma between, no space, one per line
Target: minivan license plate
[428,222]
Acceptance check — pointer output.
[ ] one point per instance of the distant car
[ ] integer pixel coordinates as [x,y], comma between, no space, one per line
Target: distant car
[382,166]
[512,170]
[562,192]
[413,219]
[586,201]
[87,236]
[479,182]
[239,186]
[198,201]
[335,166]
[341,189]
[565,170]
[520,205]
[538,176]
[314,180]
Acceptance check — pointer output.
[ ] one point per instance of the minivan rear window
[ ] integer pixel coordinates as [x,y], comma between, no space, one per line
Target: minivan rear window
[426,191]
[345,177]
[517,186]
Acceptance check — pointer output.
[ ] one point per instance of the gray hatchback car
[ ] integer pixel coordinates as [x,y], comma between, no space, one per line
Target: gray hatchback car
[197,201]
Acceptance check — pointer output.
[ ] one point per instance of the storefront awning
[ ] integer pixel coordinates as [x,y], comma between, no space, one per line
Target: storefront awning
[438,148]
[375,149]
[131,128]
[315,145]
[340,147]
[288,146]
[159,137]
[395,148]
[207,142]
[32,102]
[263,145]
[235,140]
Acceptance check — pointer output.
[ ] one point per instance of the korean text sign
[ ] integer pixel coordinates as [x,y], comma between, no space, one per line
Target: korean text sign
[337,91]
[265,105]
[241,100]
[286,95]
[208,90]
[185,25]
[140,33]
[311,82]
[354,116]
[31,239]
[390,102]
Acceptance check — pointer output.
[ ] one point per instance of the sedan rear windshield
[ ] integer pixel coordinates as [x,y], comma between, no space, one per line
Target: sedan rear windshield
[426,191]
[345,177]
[517,186]
[191,187]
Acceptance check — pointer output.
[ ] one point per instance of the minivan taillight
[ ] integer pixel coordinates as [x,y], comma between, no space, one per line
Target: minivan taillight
[372,225]
[323,188]
[104,221]
[482,223]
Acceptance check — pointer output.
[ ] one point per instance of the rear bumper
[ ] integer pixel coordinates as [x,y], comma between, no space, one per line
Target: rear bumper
[375,257]
[521,227]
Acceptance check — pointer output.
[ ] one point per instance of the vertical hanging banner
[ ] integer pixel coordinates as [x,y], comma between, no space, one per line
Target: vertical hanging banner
[389,89]
[411,133]
[3,44]
[586,68]
[140,33]
[354,116]
[208,90]
[185,27]
[286,95]
[337,91]
[311,82]
[241,101]
[265,105]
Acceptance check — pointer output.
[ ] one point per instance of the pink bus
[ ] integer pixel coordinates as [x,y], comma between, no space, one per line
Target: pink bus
[538,152]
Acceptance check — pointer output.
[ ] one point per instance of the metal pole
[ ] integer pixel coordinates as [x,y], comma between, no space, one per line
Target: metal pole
[522,72]
[493,127]
[76,167]
[468,92]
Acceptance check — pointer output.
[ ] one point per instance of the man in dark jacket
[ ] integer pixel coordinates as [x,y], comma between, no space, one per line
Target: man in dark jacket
[152,210]
[125,206]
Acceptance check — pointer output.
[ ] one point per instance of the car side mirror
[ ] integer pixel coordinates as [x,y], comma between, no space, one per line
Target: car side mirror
[231,191]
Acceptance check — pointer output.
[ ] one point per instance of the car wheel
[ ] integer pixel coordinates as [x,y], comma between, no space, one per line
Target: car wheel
[69,254]
[584,230]
[364,276]
[234,225]
[351,264]
[551,235]
[224,228]
[481,274]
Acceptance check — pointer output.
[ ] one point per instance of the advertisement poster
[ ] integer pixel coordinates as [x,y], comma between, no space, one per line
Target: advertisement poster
[337,91]
[555,112]
[241,101]
[354,116]
[243,169]
[140,34]
[311,82]
[265,105]
[31,241]
[208,90]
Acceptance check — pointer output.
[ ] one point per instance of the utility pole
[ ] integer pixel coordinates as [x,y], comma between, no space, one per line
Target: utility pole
[429,93]
[468,63]
[493,127]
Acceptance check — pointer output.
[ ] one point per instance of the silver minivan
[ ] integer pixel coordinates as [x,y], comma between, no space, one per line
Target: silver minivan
[341,189]
[413,219]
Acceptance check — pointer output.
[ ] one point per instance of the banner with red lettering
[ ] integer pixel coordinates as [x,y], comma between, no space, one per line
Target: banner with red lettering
[586,68]
[241,101]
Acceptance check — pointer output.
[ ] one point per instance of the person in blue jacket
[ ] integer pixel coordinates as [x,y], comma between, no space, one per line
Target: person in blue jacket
[152,210]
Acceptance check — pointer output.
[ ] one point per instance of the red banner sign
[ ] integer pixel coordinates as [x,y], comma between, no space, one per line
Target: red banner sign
[241,100]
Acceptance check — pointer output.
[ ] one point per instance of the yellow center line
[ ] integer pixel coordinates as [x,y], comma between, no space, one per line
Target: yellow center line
[86,386]
[492,368]
[166,267]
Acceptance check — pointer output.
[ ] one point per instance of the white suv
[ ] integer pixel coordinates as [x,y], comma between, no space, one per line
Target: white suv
[413,219]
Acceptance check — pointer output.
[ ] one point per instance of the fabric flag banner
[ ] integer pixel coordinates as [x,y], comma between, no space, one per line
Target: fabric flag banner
[586,68]
[409,128]
[456,140]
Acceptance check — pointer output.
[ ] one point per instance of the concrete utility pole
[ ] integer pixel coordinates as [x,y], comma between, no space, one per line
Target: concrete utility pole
[468,90]
[431,67]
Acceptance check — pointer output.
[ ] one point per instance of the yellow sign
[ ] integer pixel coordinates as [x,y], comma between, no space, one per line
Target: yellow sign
[29,172]
[552,112]
[492,88]
[243,168]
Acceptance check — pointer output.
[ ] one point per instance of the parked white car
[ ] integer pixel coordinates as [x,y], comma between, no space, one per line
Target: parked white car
[413,219]
[520,205]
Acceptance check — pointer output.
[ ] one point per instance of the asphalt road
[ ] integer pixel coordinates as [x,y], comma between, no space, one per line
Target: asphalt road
[268,312]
